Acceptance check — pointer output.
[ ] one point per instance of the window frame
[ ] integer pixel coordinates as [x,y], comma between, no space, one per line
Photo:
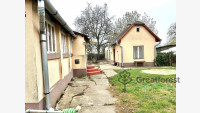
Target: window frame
[138,29]
[63,39]
[53,37]
[70,45]
[138,54]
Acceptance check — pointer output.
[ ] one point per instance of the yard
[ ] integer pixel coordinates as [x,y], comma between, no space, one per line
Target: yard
[153,97]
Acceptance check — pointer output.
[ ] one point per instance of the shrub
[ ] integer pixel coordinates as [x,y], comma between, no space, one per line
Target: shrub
[166,59]
[92,56]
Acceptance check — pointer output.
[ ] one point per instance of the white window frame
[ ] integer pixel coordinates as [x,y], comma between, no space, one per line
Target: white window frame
[63,43]
[138,51]
[70,45]
[53,38]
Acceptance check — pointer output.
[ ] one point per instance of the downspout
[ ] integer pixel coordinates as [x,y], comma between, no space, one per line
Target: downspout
[121,53]
[43,43]
[155,53]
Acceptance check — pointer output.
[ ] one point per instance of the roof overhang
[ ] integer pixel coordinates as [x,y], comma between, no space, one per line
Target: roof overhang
[83,35]
[156,37]
[138,23]
[49,7]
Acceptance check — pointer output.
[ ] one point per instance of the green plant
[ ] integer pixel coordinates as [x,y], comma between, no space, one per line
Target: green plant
[147,97]
[166,59]
[91,56]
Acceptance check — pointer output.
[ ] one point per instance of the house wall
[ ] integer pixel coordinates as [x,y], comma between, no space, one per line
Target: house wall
[33,68]
[79,52]
[58,78]
[65,67]
[109,54]
[134,38]
[117,54]
[106,53]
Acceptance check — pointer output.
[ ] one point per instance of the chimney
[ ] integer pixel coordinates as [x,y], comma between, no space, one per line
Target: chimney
[128,25]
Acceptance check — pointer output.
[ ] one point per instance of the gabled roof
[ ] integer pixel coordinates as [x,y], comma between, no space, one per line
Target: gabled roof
[83,35]
[137,23]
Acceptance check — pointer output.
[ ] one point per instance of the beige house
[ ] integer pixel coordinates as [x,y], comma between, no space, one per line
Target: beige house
[135,46]
[65,55]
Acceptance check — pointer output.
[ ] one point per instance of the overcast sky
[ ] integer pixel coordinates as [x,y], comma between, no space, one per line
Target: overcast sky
[162,11]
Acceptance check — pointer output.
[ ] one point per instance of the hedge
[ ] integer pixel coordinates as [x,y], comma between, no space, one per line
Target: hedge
[94,56]
[166,59]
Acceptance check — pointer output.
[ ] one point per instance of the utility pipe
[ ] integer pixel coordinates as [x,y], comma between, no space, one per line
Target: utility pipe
[121,53]
[43,43]
[155,53]
[42,111]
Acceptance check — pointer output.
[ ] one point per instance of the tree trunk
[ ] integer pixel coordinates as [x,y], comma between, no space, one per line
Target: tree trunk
[98,52]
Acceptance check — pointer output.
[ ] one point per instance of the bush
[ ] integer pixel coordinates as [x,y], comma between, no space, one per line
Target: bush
[92,56]
[166,59]
[101,57]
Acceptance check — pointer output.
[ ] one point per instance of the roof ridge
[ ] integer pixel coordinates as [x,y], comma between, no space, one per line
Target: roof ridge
[123,33]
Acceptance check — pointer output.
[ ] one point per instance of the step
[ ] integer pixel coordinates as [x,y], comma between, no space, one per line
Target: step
[90,67]
[100,70]
[93,69]
[93,73]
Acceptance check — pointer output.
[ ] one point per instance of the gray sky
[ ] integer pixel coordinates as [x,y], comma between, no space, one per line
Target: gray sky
[162,11]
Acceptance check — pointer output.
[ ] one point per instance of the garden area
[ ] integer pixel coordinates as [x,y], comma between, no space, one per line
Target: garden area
[145,93]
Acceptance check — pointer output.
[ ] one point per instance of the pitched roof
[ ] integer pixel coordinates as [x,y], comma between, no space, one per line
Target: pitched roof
[83,35]
[166,46]
[123,33]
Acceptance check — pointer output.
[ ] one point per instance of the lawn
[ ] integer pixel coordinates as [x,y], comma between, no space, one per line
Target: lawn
[153,97]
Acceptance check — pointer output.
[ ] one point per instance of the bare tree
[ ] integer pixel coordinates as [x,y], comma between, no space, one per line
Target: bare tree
[171,34]
[130,18]
[96,23]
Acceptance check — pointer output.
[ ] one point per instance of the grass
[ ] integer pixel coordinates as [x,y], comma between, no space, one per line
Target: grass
[145,97]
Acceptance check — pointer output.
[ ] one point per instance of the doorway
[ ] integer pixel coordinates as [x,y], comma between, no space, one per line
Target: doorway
[114,55]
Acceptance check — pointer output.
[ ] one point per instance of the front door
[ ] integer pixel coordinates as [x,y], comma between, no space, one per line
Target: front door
[114,55]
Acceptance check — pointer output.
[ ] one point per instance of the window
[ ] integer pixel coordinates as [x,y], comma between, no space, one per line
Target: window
[70,46]
[51,37]
[138,52]
[63,43]
[138,29]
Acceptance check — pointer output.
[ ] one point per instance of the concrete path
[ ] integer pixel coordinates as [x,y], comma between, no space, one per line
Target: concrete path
[91,92]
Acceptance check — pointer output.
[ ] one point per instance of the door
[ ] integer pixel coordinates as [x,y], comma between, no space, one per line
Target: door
[114,55]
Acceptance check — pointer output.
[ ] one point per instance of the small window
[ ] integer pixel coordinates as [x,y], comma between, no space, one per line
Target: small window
[138,29]
[76,61]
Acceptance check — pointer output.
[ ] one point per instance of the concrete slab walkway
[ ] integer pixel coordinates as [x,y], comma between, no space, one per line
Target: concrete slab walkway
[91,92]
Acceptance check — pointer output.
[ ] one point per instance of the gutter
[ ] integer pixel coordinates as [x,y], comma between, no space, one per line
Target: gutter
[121,52]
[155,53]
[55,14]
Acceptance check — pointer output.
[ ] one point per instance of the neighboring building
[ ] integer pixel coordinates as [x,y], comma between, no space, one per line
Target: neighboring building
[135,46]
[166,49]
[79,54]
[66,54]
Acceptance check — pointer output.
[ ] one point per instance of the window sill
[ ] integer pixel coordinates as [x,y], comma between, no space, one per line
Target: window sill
[51,56]
[65,55]
[139,60]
